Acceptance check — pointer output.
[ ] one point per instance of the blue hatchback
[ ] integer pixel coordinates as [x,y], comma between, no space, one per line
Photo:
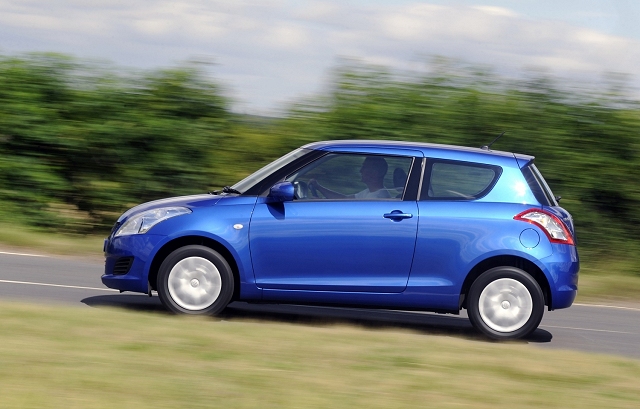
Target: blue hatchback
[361,223]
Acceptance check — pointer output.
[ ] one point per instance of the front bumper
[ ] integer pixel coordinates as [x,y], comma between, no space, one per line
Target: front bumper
[142,247]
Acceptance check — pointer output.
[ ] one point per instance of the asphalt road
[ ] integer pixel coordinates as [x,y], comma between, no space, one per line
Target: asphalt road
[53,280]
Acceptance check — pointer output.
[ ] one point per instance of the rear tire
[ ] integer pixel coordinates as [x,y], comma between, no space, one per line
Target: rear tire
[505,303]
[195,280]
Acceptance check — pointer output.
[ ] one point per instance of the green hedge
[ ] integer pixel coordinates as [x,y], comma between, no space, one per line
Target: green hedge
[80,143]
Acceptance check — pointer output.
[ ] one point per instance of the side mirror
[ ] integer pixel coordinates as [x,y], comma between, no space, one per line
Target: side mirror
[281,192]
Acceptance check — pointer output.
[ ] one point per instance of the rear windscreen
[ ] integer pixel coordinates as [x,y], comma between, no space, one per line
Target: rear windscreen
[538,186]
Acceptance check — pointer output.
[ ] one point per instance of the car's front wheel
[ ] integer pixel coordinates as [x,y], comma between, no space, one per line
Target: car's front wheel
[195,280]
[505,303]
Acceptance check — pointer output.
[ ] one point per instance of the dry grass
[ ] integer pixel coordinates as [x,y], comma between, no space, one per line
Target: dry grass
[24,239]
[85,358]
[612,277]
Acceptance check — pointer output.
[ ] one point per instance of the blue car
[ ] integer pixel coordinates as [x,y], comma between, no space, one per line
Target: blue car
[398,225]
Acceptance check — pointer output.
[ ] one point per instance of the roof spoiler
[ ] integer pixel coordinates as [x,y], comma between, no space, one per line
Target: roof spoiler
[523,160]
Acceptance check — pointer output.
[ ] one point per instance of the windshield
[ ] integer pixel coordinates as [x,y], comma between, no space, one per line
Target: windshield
[256,177]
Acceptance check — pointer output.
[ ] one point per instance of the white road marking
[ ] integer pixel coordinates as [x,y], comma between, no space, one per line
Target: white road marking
[586,329]
[607,306]
[110,289]
[21,254]
[58,285]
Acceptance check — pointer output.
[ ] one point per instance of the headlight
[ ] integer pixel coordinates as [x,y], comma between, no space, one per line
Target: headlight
[142,222]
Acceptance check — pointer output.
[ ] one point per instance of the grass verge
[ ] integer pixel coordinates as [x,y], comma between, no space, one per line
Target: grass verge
[26,239]
[609,277]
[101,358]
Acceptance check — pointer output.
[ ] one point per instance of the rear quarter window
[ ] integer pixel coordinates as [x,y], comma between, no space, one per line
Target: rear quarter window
[538,185]
[453,180]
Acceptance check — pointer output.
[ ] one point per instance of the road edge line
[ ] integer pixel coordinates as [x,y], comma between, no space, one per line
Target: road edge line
[58,285]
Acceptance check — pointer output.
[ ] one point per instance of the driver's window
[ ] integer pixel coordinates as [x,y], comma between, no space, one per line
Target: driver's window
[352,176]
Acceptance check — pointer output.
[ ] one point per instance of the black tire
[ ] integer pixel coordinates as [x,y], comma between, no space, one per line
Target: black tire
[195,280]
[505,303]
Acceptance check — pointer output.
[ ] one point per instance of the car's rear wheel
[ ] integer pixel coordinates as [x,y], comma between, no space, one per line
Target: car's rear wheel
[195,280]
[505,303]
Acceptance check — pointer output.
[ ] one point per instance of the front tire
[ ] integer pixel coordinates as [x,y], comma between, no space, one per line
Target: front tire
[195,280]
[505,303]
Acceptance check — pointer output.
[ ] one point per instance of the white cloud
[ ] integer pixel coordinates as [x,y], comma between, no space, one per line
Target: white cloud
[275,50]
[154,26]
[496,11]
[499,36]
[316,10]
[287,36]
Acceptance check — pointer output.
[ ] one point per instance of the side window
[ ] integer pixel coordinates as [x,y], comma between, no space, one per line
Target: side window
[451,180]
[352,176]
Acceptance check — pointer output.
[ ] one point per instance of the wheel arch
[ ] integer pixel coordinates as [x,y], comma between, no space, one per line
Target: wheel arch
[506,260]
[175,244]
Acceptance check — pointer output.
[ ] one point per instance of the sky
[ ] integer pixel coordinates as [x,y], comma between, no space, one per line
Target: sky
[270,53]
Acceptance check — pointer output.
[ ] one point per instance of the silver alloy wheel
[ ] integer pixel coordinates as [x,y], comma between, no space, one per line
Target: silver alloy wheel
[194,283]
[505,305]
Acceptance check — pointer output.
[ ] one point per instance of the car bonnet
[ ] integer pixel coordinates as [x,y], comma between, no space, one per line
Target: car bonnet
[203,200]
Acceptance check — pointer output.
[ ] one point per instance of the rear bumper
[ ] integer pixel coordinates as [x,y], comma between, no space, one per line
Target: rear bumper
[562,272]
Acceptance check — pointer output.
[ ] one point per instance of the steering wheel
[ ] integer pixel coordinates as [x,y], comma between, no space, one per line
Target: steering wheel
[313,190]
[300,190]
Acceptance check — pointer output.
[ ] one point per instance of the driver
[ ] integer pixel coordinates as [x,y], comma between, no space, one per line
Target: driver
[372,172]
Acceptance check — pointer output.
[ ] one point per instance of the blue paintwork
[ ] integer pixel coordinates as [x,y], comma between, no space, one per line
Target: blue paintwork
[333,245]
[529,238]
[141,246]
[212,219]
[281,192]
[455,236]
[378,253]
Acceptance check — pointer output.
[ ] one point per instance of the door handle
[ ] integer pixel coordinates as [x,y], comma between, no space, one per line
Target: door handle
[397,215]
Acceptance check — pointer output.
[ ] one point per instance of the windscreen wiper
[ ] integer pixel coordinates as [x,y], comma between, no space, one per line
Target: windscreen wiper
[226,189]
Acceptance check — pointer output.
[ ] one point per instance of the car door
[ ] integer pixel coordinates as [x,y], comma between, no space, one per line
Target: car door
[338,234]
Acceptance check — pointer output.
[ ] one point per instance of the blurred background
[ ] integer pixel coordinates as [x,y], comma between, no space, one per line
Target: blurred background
[104,105]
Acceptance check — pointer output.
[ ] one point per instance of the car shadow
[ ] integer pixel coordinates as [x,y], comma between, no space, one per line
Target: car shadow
[426,323]
[132,302]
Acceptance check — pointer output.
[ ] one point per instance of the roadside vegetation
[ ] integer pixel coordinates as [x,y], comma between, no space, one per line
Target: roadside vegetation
[26,239]
[80,143]
[103,358]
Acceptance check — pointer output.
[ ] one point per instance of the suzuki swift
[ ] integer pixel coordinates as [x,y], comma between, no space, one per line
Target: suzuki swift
[409,226]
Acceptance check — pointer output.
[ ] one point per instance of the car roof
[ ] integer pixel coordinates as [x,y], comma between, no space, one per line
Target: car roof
[426,148]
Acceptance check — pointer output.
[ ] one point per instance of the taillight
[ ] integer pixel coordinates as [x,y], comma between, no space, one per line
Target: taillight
[556,231]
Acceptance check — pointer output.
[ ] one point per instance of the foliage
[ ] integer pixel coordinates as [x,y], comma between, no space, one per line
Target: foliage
[80,143]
